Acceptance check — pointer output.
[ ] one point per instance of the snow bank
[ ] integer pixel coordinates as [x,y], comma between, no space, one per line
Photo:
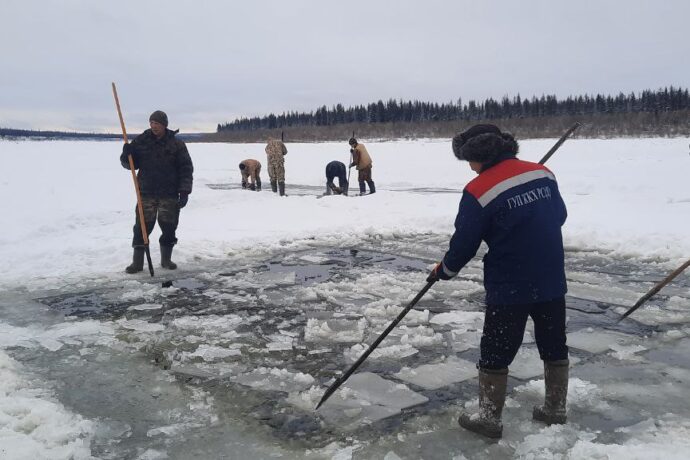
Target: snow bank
[34,426]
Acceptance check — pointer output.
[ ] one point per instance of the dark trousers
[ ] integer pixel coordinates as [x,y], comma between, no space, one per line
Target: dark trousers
[166,211]
[504,327]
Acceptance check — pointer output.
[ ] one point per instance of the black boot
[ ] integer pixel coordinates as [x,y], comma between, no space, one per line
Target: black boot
[362,187]
[274,186]
[556,381]
[258,184]
[252,187]
[166,254]
[492,396]
[137,261]
[372,187]
[281,186]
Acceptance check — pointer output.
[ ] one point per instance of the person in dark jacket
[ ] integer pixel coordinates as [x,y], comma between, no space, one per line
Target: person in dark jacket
[336,169]
[165,181]
[515,207]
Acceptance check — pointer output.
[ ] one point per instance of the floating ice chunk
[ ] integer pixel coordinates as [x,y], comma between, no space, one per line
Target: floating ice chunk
[596,341]
[146,307]
[275,379]
[472,320]
[527,364]
[210,323]
[581,394]
[627,353]
[433,376]
[462,340]
[314,259]
[334,330]
[267,279]
[380,391]
[211,353]
[140,325]
[420,336]
[390,352]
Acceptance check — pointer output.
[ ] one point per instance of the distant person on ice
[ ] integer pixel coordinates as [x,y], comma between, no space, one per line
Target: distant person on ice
[165,181]
[275,153]
[336,169]
[515,207]
[251,174]
[362,160]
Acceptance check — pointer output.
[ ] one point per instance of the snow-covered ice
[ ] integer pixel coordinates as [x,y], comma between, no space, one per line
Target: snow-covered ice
[275,297]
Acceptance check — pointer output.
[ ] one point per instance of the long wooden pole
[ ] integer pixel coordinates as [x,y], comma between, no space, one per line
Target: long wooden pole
[655,289]
[140,206]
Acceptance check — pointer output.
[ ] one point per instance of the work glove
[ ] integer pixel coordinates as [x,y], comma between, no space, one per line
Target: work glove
[182,200]
[352,150]
[437,274]
[352,164]
[128,149]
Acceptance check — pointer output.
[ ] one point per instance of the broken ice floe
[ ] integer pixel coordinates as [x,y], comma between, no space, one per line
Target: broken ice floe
[366,398]
[433,376]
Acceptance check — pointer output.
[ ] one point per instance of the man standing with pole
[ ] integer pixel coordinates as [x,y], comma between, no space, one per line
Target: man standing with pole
[515,207]
[165,180]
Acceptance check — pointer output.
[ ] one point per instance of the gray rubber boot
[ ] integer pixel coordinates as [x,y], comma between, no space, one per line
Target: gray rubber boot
[258,184]
[274,186]
[362,188]
[166,255]
[281,187]
[372,187]
[556,381]
[137,264]
[492,396]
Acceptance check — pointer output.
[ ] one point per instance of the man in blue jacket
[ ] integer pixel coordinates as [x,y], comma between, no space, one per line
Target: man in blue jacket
[515,207]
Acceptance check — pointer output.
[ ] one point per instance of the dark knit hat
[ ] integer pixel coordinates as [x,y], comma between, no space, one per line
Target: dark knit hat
[159,117]
[483,143]
[352,141]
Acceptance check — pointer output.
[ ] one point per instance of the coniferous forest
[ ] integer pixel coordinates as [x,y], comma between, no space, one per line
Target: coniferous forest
[662,112]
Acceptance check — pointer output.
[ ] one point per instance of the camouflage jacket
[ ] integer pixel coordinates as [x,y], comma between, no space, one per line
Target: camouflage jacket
[275,150]
[165,167]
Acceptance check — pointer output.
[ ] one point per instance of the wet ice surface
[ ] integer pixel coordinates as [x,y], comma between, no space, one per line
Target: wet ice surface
[235,359]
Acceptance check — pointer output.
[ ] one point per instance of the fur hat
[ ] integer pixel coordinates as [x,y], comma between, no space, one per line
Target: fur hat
[483,143]
[159,117]
[352,141]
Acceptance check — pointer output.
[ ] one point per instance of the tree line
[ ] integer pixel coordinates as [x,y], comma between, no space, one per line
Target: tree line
[669,99]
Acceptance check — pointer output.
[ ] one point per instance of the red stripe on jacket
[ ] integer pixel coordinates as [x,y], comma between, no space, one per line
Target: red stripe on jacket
[504,170]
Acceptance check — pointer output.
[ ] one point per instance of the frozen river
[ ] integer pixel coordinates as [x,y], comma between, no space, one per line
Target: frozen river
[275,297]
[230,363]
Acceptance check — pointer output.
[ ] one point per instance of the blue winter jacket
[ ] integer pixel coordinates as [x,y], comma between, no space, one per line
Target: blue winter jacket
[515,207]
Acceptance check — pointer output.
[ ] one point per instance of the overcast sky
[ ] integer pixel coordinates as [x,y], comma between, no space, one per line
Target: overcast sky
[205,62]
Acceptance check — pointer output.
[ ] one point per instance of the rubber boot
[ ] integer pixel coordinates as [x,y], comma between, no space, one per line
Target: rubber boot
[137,264]
[274,186]
[362,188]
[372,187]
[252,187]
[492,396]
[281,187]
[556,381]
[244,185]
[258,184]
[166,254]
